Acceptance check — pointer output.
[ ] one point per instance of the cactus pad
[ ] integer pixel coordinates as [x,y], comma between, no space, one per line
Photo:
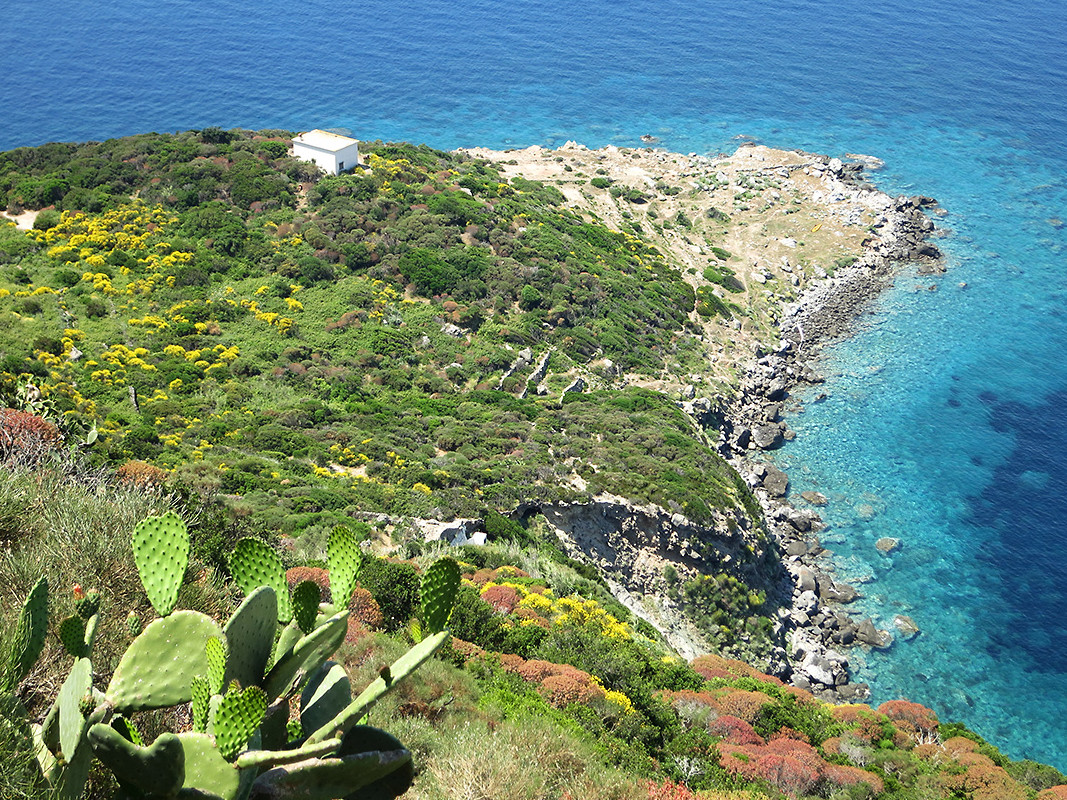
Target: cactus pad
[325,696]
[307,656]
[306,597]
[134,624]
[207,774]
[250,636]
[157,669]
[161,552]
[201,703]
[254,564]
[344,559]
[72,634]
[155,770]
[328,778]
[71,720]
[237,718]
[87,605]
[215,651]
[439,587]
[30,633]
[365,739]
[294,729]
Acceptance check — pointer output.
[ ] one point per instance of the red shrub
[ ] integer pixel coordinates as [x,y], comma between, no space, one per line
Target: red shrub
[1055,793]
[364,608]
[511,662]
[562,690]
[467,650]
[984,782]
[788,774]
[482,577]
[715,666]
[502,598]
[734,730]
[535,670]
[508,572]
[864,723]
[745,705]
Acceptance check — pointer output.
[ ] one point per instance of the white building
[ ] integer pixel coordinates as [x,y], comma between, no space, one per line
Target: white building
[332,152]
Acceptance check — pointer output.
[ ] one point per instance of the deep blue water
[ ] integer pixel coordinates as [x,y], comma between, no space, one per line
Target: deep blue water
[946,417]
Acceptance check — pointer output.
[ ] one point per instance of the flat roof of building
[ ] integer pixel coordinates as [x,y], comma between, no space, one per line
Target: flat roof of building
[324,140]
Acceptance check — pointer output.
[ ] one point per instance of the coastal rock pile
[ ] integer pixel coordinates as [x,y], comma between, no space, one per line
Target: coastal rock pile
[817,623]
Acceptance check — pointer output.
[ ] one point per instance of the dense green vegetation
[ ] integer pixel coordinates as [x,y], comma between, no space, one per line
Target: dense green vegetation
[369,350]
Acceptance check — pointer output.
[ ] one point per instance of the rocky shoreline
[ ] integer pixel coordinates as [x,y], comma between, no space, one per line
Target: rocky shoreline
[817,623]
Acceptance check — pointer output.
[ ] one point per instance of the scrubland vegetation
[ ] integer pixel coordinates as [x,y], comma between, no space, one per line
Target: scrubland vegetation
[202,324]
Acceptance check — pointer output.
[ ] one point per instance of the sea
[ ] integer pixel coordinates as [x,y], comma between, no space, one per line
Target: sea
[944,423]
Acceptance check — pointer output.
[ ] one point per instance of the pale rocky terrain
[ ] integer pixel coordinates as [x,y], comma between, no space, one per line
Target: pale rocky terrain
[792,217]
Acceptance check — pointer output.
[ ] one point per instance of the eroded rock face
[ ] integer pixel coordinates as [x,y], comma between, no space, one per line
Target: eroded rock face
[633,545]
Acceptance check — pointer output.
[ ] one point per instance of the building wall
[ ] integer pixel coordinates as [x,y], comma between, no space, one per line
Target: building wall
[328,161]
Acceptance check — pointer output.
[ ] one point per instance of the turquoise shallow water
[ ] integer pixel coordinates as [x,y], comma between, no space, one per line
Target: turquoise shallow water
[945,422]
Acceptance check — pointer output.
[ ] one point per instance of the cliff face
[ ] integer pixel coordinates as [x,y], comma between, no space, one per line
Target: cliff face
[649,557]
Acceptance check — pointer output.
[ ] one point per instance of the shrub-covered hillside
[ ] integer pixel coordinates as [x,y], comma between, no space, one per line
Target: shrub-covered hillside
[545,690]
[395,340]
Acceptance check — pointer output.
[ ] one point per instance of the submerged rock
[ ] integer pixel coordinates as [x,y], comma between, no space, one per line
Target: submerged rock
[815,498]
[887,544]
[906,625]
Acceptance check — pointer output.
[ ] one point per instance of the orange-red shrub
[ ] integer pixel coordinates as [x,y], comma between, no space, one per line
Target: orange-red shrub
[840,775]
[318,576]
[1055,793]
[669,791]
[715,666]
[916,720]
[25,437]
[734,730]
[502,598]
[141,474]
[746,705]
[364,608]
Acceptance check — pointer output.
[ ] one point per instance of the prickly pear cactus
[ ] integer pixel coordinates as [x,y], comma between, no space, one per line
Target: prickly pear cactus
[71,720]
[215,651]
[86,603]
[439,587]
[306,657]
[254,564]
[134,624]
[306,597]
[250,636]
[238,716]
[201,690]
[157,770]
[157,669]
[161,552]
[30,631]
[325,695]
[72,635]
[344,559]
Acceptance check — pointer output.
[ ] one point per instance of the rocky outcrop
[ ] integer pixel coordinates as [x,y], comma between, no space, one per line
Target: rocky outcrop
[642,549]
